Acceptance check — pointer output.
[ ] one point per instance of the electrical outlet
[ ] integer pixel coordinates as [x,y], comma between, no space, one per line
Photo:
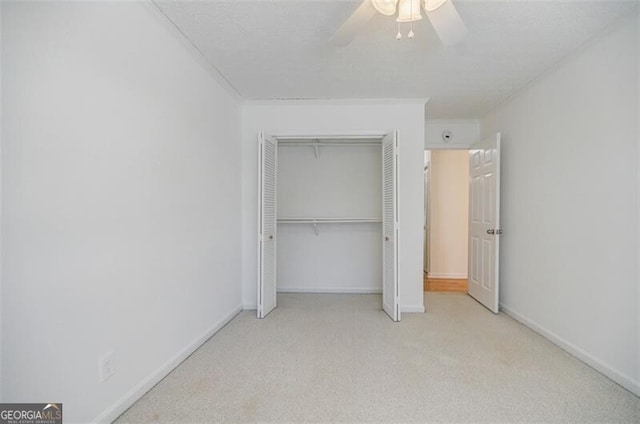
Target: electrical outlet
[106,367]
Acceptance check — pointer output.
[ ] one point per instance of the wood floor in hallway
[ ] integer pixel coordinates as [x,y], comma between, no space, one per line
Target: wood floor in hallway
[431,284]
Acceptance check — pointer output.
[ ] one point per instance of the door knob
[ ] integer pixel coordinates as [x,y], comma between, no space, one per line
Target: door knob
[499,232]
[491,232]
[386,238]
[271,237]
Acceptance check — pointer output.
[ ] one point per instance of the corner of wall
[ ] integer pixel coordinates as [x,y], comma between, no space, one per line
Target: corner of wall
[135,393]
[187,151]
[339,116]
[638,193]
[156,11]
[1,297]
[633,385]
[517,118]
[464,133]
[412,309]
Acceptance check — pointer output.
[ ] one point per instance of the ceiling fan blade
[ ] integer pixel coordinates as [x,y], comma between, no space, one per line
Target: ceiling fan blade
[447,23]
[358,19]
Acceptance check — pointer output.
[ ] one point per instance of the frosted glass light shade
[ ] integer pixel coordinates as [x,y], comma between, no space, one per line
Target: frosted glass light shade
[386,7]
[409,11]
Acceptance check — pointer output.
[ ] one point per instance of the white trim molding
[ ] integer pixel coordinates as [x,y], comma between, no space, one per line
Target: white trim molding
[164,19]
[638,212]
[328,135]
[412,309]
[448,276]
[405,309]
[337,102]
[625,381]
[133,395]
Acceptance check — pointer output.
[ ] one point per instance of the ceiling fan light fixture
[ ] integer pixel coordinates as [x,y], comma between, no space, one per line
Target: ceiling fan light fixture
[431,5]
[409,11]
[386,7]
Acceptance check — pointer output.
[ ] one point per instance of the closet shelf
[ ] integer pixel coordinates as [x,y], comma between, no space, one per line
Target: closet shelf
[316,143]
[316,221]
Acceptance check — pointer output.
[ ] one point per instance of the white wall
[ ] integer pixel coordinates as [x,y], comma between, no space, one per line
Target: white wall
[638,193]
[406,116]
[449,212]
[464,133]
[569,253]
[120,199]
[342,182]
[1,249]
[341,258]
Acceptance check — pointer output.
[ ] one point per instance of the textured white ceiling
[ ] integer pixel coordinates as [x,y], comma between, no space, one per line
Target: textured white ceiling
[280,50]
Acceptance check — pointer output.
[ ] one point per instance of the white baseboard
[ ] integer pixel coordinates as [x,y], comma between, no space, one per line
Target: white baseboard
[408,309]
[625,381]
[338,290]
[445,276]
[133,395]
[412,309]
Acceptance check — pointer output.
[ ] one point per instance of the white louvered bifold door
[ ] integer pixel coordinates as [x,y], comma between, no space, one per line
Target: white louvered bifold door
[267,225]
[390,226]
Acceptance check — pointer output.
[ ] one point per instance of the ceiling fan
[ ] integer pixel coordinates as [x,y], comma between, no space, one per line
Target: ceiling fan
[441,13]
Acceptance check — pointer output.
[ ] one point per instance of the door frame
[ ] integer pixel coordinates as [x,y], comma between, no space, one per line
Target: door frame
[426,260]
[329,135]
[431,148]
[440,146]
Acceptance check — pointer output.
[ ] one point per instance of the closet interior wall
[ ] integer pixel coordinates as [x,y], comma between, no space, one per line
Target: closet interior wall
[339,185]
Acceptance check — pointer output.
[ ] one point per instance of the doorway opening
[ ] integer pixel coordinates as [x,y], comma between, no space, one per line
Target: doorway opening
[444,243]
[446,234]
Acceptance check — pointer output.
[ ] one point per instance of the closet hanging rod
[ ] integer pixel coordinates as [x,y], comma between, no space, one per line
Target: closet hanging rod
[301,137]
[329,143]
[327,220]
[315,221]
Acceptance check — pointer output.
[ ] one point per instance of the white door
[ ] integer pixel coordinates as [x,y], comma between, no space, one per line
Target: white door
[484,221]
[267,225]
[390,226]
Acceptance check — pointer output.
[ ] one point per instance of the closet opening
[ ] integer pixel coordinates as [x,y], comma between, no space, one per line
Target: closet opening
[328,216]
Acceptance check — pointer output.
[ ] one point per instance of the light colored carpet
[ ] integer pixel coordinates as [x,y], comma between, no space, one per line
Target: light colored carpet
[338,358]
